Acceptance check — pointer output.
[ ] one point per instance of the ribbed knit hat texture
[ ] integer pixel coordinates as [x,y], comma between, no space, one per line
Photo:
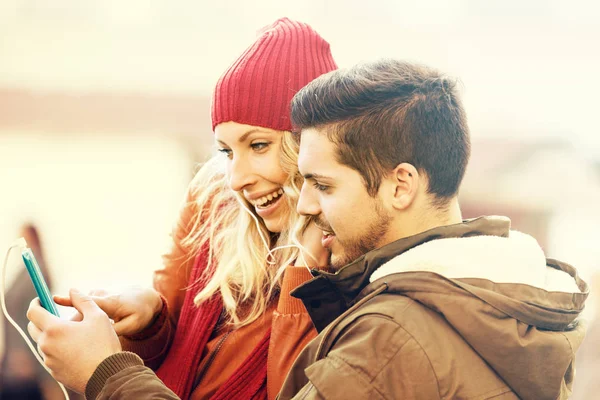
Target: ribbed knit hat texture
[258,87]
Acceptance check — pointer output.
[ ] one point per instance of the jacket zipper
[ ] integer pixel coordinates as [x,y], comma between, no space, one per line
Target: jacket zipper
[308,390]
[211,358]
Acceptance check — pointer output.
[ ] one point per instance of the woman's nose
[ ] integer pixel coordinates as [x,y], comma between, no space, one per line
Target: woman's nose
[240,174]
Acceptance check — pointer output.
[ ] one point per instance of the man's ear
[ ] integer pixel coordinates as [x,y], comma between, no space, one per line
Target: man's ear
[405,180]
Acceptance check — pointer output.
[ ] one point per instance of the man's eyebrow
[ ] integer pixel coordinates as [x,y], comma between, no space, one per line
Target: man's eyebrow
[245,135]
[315,176]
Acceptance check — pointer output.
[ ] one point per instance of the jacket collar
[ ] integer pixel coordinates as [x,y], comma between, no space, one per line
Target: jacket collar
[328,295]
[518,259]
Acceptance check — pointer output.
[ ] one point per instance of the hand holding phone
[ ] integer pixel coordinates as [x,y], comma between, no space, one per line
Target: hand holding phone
[38,280]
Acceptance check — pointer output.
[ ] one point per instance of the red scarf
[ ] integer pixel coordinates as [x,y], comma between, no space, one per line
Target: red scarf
[194,328]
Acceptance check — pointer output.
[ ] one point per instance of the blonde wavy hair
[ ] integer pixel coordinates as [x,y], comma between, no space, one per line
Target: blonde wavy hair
[241,267]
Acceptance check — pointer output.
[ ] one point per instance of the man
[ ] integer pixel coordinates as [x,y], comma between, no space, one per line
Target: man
[420,304]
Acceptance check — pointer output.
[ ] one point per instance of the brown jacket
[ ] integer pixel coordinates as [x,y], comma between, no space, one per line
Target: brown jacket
[469,311]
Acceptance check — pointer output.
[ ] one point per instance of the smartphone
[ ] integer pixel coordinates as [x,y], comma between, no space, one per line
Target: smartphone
[38,280]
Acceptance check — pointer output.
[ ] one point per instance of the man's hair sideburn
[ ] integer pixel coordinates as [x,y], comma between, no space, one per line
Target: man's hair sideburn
[384,113]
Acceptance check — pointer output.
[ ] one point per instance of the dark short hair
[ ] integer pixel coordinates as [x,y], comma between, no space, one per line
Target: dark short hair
[381,114]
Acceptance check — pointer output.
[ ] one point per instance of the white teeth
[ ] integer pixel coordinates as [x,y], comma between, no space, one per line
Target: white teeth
[269,197]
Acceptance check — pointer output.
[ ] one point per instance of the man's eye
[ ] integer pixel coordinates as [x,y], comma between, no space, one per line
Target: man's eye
[320,187]
[259,146]
[228,153]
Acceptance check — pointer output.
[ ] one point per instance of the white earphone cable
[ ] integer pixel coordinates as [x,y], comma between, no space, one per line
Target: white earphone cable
[270,251]
[19,244]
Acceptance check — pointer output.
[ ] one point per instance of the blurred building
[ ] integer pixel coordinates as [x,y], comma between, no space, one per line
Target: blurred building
[536,183]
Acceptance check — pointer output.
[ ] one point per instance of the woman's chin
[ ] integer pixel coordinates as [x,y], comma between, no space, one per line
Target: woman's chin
[277,223]
[274,225]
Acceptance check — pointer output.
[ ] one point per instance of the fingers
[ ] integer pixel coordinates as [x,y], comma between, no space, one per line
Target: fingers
[126,326]
[83,303]
[98,293]
[99,297]
[120,327]
[39,315]
[63,300]
[34,332]
[66,300]
[41,353]
[105,303]
[77,317]
[110,305]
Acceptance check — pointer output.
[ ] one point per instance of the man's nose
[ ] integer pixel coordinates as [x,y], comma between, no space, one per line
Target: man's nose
[307,203]
[240,174]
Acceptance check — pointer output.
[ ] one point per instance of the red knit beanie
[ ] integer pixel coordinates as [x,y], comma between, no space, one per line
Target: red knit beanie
[258,87]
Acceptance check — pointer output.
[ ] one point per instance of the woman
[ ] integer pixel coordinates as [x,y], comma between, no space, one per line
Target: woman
[221,323]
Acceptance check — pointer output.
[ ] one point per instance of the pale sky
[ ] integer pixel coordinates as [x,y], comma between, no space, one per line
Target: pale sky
[528,67]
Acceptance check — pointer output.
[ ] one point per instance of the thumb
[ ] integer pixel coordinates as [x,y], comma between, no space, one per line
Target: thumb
[83,303]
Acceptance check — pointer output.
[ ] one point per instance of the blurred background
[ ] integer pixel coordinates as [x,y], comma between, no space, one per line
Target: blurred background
[105,115]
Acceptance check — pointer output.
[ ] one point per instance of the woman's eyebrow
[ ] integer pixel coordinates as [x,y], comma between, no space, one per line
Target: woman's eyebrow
[250,132]
[242,138]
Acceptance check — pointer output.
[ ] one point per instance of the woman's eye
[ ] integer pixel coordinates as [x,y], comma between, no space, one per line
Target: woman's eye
[320,187]
[259,146]
[227,152]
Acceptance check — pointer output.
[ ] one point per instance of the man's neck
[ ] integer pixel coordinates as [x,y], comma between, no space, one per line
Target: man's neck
[429,219]
[452,215]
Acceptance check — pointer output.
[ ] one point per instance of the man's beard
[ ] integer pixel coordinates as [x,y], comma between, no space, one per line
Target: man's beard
[370,239]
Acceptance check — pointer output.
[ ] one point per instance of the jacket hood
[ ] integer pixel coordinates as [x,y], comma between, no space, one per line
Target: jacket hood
[514,259]
[513,306]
